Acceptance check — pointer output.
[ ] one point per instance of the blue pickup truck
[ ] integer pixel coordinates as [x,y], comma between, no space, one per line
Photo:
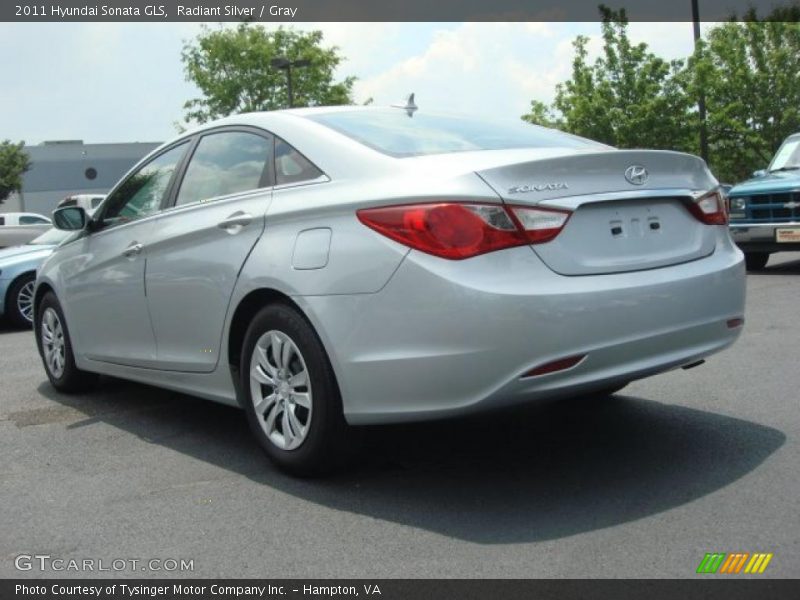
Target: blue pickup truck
[765,210]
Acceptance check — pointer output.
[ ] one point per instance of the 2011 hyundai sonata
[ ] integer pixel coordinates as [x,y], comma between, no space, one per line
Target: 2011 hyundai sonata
[335,266]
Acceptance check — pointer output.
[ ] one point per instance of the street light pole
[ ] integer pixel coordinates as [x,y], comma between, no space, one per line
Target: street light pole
[284,64]
[701,96]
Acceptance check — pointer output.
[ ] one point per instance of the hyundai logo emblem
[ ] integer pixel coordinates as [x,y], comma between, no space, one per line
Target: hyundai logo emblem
[636,175]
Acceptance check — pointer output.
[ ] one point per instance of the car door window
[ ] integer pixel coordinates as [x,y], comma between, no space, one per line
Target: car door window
[141,194]
[28,220]
[291,166]
[226,163]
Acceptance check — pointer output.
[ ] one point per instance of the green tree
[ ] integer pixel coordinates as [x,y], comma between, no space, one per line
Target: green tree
[541,114]
[749,71]
[231,67]
[628,97]
[14,162]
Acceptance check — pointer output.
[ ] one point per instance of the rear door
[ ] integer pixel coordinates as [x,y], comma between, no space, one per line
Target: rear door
[201,242]
[628,208]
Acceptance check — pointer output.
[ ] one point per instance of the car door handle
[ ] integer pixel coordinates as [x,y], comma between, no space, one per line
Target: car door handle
[235,222]
[135,249]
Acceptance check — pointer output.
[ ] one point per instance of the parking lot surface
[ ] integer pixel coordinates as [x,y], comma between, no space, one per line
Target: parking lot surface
[641,484]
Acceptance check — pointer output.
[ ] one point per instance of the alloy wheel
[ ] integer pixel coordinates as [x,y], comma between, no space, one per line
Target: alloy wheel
[25,301]
[53,342]
[280,389]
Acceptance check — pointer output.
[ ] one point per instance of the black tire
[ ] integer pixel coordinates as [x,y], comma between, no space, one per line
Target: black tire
[71,379]
[612,389]
[17,317]
[327,443]
[756,261]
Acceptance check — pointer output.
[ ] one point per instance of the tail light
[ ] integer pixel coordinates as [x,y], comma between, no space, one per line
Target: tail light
[710,208]
[460,230]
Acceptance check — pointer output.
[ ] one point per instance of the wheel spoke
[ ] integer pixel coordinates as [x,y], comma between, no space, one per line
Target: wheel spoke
[260,376]
[262,405]
[302,399]
[299,379]
[286,355]
[295,423]
[269,423]
[288,434]
[275,346]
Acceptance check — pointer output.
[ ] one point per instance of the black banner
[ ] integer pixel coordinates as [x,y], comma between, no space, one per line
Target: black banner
[285,11]
[399,589]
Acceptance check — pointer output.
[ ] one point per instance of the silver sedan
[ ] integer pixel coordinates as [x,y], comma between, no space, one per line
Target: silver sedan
[330,267]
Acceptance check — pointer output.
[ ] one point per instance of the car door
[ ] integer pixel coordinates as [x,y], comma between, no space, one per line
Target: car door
[103,279]
[201,242]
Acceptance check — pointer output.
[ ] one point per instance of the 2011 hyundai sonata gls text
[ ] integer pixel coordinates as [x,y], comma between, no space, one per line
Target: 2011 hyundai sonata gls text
[328,267]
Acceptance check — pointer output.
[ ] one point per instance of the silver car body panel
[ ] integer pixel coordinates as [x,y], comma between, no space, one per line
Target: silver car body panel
[409,335]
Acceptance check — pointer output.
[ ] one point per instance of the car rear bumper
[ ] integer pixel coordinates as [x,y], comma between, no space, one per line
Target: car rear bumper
[450,337]
[760,237]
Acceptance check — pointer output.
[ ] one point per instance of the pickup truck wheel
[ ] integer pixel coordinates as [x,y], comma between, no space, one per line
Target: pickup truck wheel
[756,261]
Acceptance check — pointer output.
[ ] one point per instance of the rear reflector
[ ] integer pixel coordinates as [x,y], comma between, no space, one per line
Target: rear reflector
[457,230]
[734,323]
[557,365]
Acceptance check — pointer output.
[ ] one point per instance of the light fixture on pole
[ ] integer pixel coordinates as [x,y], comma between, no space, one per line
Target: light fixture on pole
[284,64]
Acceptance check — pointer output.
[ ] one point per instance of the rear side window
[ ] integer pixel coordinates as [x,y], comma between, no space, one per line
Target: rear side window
[96,201]
[291,166]
[226,163]
[69,202]
[2,220]
[394,132]
[29,220]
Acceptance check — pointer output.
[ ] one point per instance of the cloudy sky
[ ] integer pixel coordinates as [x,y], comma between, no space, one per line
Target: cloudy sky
[124,82]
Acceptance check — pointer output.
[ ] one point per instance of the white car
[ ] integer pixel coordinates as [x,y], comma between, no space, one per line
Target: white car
[88,202]
[21,228]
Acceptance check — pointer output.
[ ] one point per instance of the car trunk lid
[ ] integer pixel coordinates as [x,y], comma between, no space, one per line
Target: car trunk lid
[628,208]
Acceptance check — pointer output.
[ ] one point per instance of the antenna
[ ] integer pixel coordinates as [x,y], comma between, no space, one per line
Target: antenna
[408,105]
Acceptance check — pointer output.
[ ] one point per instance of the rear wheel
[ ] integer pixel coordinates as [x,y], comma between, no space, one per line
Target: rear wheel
[55,348]
[290,393]
[19,302]
[755,261]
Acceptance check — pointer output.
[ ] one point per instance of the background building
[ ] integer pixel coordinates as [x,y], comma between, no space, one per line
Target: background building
[61,168]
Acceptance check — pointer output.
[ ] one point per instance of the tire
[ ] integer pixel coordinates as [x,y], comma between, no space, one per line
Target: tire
[756,261]
[19,301]
[612,389]
[55,348]
[310,407]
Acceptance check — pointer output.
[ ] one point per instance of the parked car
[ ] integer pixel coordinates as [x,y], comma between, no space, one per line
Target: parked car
[329,267]
[765,210]
[21,228]
[18,272]
[89,202]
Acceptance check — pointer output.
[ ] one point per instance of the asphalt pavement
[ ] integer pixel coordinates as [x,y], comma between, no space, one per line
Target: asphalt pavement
[641,484]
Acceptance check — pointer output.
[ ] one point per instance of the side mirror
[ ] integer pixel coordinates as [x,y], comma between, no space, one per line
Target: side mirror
[70,218]
[759,173]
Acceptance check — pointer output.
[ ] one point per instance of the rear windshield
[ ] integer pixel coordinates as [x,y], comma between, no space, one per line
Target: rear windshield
[396,133]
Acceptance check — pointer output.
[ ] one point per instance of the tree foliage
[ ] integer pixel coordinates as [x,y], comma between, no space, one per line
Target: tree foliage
[628,97]
[749,71]
[231,67]
[14,162]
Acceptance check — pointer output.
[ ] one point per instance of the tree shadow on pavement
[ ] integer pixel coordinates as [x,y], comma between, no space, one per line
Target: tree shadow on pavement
[540,472]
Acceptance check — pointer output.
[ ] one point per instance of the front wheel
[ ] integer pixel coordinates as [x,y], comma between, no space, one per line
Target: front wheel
[55,348]
[290,393]
[756,261]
